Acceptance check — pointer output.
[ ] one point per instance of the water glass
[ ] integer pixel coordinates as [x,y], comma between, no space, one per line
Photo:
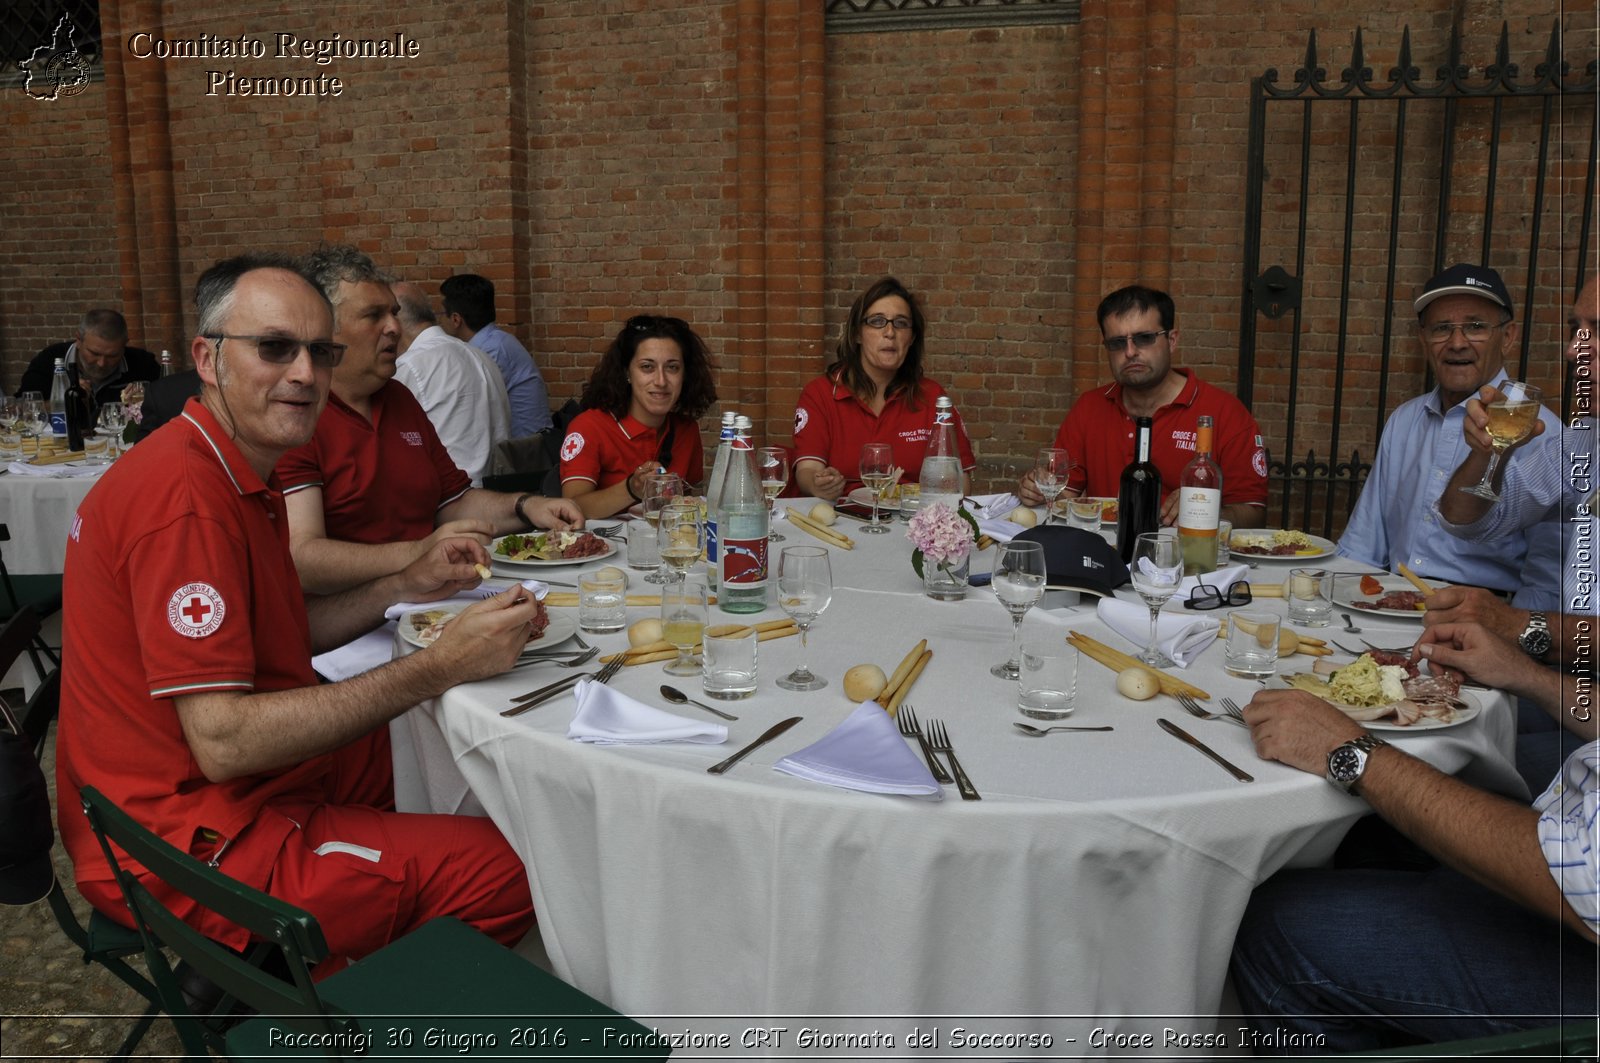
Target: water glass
[1310,597]
[1252,648]
[805,588]
[603,600]
[643,550]
[1224,542]
[1048,686]
[10,445]
[1084,513]
[96,449]
[729,671]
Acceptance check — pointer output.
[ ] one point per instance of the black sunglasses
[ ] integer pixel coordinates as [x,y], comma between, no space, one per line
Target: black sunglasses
[1206,596]
[281,350]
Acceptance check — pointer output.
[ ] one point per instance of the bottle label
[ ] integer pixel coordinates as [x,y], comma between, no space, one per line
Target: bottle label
[1199,510]
[711,540]
[744,562]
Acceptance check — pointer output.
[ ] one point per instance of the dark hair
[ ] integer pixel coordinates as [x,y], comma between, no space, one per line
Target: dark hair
[214,291]
[847,367]
[608,388]
[471,296]
[1136,297]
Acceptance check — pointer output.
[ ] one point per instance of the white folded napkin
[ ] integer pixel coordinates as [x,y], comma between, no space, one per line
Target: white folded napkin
[58,471]
[987,506]
[865,752]
[1181,638]
[361,655]
[607,717]
[464,599]
[1001,531]
[1221,579]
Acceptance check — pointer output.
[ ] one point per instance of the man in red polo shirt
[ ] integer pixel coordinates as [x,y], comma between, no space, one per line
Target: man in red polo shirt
[1139,328]
[375,488]
[202,717]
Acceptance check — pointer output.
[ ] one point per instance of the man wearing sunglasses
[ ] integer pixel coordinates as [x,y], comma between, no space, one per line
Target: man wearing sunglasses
[1466,330]
[202,718]
[1138,327]
[375,489]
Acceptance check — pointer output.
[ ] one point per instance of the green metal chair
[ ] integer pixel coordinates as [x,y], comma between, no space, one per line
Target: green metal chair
[441,987]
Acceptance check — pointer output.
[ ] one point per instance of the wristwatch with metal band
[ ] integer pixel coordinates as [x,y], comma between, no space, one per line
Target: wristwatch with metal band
[1535,638]
[1347,763]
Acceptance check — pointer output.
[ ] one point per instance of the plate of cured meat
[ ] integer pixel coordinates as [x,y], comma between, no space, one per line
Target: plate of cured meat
[1386,692]
[422,627]
[1279,544]
[1385,595]
[540,549]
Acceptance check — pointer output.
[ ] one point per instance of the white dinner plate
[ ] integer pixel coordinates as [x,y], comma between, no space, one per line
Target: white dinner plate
[562,627]
[1318,549]
[1348,591]
[862,496]
[498,559]
[1470,710]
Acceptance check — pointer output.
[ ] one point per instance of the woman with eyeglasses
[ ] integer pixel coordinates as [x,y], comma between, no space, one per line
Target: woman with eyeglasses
[640,410]
[874,392]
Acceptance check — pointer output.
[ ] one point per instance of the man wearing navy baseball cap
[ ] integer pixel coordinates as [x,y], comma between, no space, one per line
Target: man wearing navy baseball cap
[1467,330]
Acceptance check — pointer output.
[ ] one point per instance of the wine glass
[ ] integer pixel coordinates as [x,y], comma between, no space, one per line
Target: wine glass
[1050,471]
[805,587]
[1511,420]
[1019,584]
[35,421]
[110,422]
[659,491]
[877,472]
[683,623]
[1157,570]
[681,536]
[773,465]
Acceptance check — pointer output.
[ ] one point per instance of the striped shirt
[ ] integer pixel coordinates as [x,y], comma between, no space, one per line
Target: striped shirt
[1569,815]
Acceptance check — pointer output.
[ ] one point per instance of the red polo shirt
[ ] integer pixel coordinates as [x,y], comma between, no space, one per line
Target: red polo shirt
[382,481]
[178,581]
[604,449]
[1099,437]
[831,425]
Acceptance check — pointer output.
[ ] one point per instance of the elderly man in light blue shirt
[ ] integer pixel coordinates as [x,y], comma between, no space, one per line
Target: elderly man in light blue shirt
[1467,330]
[469,316]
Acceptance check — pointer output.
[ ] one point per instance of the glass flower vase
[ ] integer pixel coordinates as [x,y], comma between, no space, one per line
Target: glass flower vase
[946,582]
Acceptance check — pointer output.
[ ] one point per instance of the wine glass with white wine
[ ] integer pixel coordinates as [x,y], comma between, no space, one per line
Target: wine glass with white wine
[877,472]
[1511,420]
[683,623]
[773,465]
[681,537]
[1019,584]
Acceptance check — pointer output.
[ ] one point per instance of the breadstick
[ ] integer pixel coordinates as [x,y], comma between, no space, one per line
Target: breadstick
[827,535]
[1415,582]
[900,673]
[1116,660]
[904,688]
[666,651]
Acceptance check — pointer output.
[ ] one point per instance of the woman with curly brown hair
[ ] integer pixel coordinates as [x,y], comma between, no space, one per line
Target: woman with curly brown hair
[640,408]
[874,392]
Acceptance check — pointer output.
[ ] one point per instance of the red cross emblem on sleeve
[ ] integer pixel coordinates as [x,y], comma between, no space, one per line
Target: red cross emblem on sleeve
[195,610]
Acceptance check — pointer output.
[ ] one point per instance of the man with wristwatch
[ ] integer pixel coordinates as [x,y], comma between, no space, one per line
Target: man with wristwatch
[374,487]
[1499,937]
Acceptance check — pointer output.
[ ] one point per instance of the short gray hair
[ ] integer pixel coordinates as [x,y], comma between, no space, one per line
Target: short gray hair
[105,323]
[333,264]
[415,306]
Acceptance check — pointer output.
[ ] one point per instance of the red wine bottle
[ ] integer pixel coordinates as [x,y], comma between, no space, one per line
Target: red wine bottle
[1139,499]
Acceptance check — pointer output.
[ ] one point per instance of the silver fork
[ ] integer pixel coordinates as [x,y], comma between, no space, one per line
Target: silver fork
[939,738]
[1230,707]
[907,719]
[556,689]
[575,659]
[1192,707]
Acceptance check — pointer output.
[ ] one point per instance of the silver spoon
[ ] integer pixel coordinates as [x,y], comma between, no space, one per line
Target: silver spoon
[1039,732]
[1350,625]
[678,697]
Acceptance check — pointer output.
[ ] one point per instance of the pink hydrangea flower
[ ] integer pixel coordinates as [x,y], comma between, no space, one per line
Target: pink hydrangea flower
[942,536]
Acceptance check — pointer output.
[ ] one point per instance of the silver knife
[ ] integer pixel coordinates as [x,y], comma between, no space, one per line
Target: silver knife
[766,736]
[1173,729]
[535,698]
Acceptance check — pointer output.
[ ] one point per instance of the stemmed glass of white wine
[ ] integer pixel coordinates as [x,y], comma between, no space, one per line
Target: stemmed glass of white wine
[1050,471]
[683,623]
[877,472]
[773,465]
[1157,570]
[681,537]
[660,491]
[1511,420]
[805,587]
[1019,584]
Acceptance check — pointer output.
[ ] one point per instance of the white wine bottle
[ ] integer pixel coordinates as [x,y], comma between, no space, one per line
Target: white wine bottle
[1200,506]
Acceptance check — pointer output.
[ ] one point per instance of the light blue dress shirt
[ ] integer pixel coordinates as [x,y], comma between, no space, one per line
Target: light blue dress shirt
[530,400]
[1396,519]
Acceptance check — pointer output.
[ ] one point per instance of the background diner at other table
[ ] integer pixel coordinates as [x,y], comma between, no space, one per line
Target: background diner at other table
[640,413]
[874,392]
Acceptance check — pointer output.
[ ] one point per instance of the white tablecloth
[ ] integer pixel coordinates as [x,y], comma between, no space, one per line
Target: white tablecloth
[1101,876]
[38,511]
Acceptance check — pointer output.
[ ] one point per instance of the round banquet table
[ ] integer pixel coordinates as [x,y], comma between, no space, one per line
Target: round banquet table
[38,512]
[1097,885]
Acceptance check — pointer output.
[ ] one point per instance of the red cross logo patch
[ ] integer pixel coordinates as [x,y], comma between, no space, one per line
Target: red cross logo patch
[571,447]
[195,610]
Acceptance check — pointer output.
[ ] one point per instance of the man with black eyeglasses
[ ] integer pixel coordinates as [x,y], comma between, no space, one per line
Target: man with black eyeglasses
[1138,327]
[375,488]
[1466,329]
[202,717]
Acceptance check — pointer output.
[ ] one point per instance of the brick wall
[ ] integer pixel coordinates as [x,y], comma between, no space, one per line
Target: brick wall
[729,163]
